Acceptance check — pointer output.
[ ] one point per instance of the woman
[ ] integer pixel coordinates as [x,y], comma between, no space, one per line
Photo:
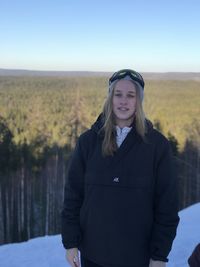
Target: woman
[120,206]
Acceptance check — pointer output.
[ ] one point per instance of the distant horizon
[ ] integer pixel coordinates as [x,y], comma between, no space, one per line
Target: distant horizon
[95,71]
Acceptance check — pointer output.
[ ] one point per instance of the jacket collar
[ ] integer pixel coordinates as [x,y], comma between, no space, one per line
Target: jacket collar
[130,141]
[98,124]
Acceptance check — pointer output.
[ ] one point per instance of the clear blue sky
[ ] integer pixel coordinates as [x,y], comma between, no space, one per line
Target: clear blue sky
[101,35]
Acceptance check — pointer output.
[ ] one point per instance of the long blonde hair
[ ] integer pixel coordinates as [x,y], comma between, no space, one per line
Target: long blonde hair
[109,145]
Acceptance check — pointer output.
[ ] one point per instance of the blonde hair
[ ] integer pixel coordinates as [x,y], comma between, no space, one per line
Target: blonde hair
[109,145]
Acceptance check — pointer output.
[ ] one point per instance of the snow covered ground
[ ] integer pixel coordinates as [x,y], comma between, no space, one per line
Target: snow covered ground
[48,251]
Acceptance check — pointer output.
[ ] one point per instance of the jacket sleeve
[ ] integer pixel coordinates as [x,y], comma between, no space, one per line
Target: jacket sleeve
[73,198]
[165,205]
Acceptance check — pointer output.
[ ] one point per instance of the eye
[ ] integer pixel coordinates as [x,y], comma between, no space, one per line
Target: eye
[131,96]
[118,94]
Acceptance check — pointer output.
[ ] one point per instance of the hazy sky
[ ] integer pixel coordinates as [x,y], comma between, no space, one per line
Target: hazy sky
[103,35]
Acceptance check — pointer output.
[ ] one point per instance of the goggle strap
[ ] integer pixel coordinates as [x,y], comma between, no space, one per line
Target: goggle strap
[126,72]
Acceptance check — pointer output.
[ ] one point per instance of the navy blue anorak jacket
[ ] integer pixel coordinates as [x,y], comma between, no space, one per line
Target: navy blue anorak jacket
[121,210]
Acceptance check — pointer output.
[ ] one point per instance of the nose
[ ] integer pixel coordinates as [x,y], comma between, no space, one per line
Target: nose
[123,100]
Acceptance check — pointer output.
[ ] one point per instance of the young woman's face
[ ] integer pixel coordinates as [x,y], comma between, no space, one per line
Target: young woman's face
[124,102]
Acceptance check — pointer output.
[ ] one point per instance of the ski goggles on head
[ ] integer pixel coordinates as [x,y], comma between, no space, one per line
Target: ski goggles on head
[135,76]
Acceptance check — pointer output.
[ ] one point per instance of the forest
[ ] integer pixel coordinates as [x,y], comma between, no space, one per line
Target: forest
[40,121]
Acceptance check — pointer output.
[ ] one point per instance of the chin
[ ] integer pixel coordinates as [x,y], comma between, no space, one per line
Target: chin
[125,117]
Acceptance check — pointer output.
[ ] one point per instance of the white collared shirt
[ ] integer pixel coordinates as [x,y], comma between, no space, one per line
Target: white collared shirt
[121,134]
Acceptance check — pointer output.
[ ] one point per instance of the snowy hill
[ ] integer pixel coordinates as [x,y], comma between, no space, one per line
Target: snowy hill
[48,251]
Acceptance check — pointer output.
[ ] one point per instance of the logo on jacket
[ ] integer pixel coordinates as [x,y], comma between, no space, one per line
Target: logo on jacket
[116,180]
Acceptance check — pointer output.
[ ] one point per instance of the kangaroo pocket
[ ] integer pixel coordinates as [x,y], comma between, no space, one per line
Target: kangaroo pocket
[116,223]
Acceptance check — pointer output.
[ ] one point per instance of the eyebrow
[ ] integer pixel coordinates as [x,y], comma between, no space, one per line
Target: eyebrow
[119,91]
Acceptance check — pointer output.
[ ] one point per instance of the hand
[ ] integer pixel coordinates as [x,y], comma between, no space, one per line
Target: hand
[153,263]
[72,257]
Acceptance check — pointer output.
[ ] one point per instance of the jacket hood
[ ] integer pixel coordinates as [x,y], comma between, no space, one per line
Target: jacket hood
[98,124]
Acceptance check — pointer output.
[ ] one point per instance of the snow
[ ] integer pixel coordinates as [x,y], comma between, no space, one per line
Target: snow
[48,251]
[38,252]
[188,236]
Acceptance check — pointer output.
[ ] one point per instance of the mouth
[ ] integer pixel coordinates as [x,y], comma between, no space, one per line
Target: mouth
[123,109]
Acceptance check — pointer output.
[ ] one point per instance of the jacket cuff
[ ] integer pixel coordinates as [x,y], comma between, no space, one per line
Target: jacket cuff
[159,258]
[68,246]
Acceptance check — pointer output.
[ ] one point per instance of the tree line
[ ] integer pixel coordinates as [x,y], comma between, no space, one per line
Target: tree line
[40,121]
